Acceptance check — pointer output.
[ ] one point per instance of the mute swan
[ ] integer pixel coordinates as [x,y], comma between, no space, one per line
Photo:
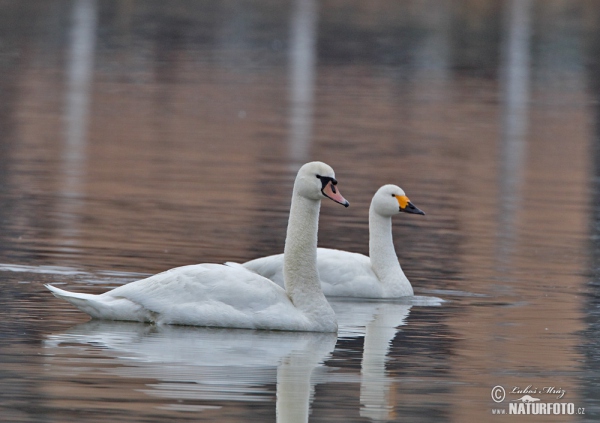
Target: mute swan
[222,296]
[347,274]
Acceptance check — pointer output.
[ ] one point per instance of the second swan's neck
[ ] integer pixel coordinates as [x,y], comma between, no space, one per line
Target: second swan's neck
[384,260]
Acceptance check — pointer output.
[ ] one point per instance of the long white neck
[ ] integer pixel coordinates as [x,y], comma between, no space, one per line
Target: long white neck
[300,274]
[382,253]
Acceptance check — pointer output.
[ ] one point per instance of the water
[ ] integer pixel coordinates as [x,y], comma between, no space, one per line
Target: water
[140,136]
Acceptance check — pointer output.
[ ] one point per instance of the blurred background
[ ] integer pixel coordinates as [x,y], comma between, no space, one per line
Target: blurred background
[136,136]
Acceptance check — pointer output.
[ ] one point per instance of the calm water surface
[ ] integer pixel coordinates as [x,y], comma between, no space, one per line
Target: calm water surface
[140,136]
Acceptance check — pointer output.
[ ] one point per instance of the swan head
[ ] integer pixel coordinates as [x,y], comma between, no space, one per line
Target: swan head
[390,200]
[316,180]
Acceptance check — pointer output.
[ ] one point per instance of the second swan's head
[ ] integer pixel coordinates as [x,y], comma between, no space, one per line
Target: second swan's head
[316,180]
[390,200]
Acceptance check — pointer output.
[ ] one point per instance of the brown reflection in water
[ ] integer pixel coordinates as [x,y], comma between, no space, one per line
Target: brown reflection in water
[189,157]
[532,259]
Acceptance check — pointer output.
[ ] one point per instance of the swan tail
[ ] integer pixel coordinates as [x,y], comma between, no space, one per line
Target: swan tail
[107,308]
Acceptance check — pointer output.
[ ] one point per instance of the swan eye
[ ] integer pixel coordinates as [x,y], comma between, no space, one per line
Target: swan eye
[393,195]
[319,176]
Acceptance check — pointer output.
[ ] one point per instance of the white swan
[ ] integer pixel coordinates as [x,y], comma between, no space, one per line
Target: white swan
[222,296]
[347,274]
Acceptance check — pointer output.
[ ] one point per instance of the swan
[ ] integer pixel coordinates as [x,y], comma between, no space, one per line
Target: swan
[347,274]
[216,295]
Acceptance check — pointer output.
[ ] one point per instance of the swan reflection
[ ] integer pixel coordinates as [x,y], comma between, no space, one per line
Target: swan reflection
[192,363]
[378,323]
[196,369]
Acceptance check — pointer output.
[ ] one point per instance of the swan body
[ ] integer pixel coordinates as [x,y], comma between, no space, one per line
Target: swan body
[348,274]
[222,296]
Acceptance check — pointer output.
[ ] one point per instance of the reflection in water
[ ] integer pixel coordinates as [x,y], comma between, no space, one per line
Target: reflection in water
[515,115]
[375,389]
[80,69]
[432,56]
[483,115]
[378,323]
[295,389]
[591,347]
[206,365]
[303,58]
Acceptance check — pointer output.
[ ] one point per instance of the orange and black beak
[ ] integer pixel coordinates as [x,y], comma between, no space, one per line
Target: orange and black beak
[406,206]
[330,191]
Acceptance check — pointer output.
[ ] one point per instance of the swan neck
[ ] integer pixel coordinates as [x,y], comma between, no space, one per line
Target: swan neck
[301,277]
[381,242]
[382,253]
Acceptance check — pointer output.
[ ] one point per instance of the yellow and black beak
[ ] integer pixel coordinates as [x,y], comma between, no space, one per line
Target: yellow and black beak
[406,206]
